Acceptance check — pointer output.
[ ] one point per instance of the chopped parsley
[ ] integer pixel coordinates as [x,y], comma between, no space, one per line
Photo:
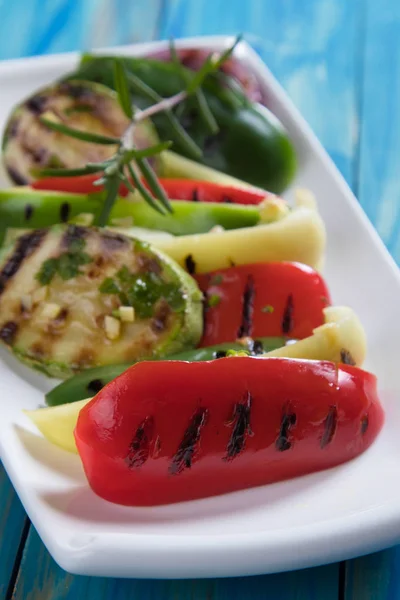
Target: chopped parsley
[267,309]
[67,265]
[143,291]
[213,300]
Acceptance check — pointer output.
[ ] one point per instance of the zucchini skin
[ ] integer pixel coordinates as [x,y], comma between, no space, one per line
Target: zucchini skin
[76,339]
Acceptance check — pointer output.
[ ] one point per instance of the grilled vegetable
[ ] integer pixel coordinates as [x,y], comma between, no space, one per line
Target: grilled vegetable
[176,189]
[24,207]
[222,428]
[251,143]
[91,381]
[297,236]
[29,145]
[340,340]
[260,300]
[60,294]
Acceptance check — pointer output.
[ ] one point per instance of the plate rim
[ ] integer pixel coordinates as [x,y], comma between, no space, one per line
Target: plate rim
[353,535]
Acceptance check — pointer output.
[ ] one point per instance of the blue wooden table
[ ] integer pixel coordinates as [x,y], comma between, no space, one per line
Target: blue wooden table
[339,60]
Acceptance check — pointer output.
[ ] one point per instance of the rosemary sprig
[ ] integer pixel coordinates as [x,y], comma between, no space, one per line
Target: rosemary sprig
[129,164]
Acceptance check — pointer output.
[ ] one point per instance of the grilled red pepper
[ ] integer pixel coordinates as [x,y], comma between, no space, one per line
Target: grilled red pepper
[166,432]
[176,189]
[81,184]
[265,299]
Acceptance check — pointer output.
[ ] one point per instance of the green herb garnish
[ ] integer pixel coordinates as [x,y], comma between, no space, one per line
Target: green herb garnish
[129,164]
[213,300]
[67,265]
[143,291]
[267,309]
[216,279]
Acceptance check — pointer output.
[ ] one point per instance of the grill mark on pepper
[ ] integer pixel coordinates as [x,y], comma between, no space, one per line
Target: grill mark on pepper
[28,212]
[65,209]
[364,424]
[8,332]
[190,264]
[95,386]
[227,199]
[16,176]
[72,234]
[287,422]
[220,354]
[139,449]
[249,293]
[183,458]
[346,358]
[287,318]
[195,195]
[330,425]
[24,247]
[241,428]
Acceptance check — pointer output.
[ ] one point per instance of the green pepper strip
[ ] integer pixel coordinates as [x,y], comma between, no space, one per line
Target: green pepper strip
[32,209]
[89,382]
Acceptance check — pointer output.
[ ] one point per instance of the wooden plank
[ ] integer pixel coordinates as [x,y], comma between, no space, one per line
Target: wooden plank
[379,189]
[306,45]
[41,579]
[374,577]
[47,26]
[12,522]
[377,576]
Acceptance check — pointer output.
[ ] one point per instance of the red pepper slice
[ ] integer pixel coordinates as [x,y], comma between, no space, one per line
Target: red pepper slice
[261,300]
[81,184]
[176,189]
[207,191]
[166,432]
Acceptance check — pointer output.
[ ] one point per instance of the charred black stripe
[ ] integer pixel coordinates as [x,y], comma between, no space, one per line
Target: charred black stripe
[8,332]
[139,449]
[95,386]
[330,425]
[16,176]
[249,293]
[112,242]
[190,264]
[227,199]
[73,234]
[195,195]
[257,347]
[28,212]
[184,457]
[346,358]
[24,247]
[364,424]
[220,354]
[65,209]
[241,428]
[287,318]
[36,104]
[282,441]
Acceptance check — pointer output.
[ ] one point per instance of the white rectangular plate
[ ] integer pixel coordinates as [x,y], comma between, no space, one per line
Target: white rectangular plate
[332,515]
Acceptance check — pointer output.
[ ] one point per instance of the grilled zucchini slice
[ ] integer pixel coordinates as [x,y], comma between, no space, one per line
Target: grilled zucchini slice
[29,145]
[61,292]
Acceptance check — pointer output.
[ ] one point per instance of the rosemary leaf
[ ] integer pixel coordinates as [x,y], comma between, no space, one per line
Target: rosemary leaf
[84,136]
[154,184]
[145,152]
[204,110]
[67,172]
[121,85]
[112,187]
[190,146]
[144,192]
